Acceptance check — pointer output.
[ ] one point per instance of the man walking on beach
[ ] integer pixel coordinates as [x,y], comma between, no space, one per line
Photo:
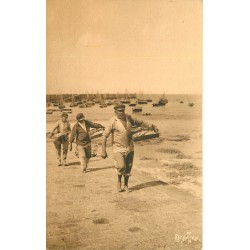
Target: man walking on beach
[62,138]
[80,131]
[123,149]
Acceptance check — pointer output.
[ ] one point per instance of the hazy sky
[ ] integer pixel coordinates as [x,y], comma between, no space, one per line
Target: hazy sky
[110,46]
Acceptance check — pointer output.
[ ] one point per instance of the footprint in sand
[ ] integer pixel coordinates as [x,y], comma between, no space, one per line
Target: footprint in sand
[101,221]
[134,229]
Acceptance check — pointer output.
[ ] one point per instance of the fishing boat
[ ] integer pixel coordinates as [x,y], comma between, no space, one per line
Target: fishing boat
[73,104]
[82,106]
[155,104]
[96,132]
[146,114]
[140,134]
[69,111]
[89,104]
[133,104]
[161,102]
[109,102]
[141,101]
[103,105]
[61,106]
[137,109]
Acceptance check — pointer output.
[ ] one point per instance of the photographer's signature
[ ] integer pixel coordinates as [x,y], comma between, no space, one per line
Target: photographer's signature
[188,238]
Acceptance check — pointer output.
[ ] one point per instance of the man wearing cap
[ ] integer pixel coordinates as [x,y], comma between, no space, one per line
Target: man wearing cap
[123,149]
[80,131]
[63,130]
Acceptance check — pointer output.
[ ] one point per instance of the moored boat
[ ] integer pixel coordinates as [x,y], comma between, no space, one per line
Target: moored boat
[137,109]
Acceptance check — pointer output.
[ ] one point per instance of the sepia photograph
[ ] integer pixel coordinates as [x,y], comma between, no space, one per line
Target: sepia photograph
[124,95]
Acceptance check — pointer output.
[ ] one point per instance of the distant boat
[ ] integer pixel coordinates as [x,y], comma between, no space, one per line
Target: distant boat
[149,100]
[181,101]
[69,111]
[141,101]
[156,104]
[73,104]
[132,104]
[137,109]
[89,104]
[161,102]
[190,104]
[82,106]
[49,112]
[110,102]
[61,106]
[146,114]
[125,101]
[104,105]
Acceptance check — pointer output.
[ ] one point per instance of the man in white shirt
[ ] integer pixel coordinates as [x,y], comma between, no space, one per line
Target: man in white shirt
[123,148]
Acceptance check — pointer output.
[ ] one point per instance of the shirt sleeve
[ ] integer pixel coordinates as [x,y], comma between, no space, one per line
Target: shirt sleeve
[109,128]
[94,125]
[139,123]
[73,134]
[55,127]
[69,127]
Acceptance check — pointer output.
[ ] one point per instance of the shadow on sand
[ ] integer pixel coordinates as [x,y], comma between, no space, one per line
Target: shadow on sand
[147,185]
[73,163]
[97,169]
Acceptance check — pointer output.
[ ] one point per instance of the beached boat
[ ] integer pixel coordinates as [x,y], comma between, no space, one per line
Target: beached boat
[96,132]
[89,104]
[125,101]
[137,109]
[110,102]
[155,104]
[103,105]
[61,106]
[146,114]
[132,104]
[140,134]
[69,111]
[73,104]
[141,101]
[53,110]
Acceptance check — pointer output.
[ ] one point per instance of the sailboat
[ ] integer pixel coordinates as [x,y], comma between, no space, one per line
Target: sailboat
[102,102]
[162,102]
[61,103]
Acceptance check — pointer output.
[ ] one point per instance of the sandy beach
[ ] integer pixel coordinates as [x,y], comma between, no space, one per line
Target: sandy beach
[164,209]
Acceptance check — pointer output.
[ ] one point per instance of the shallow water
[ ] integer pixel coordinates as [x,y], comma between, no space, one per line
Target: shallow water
[161,116]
